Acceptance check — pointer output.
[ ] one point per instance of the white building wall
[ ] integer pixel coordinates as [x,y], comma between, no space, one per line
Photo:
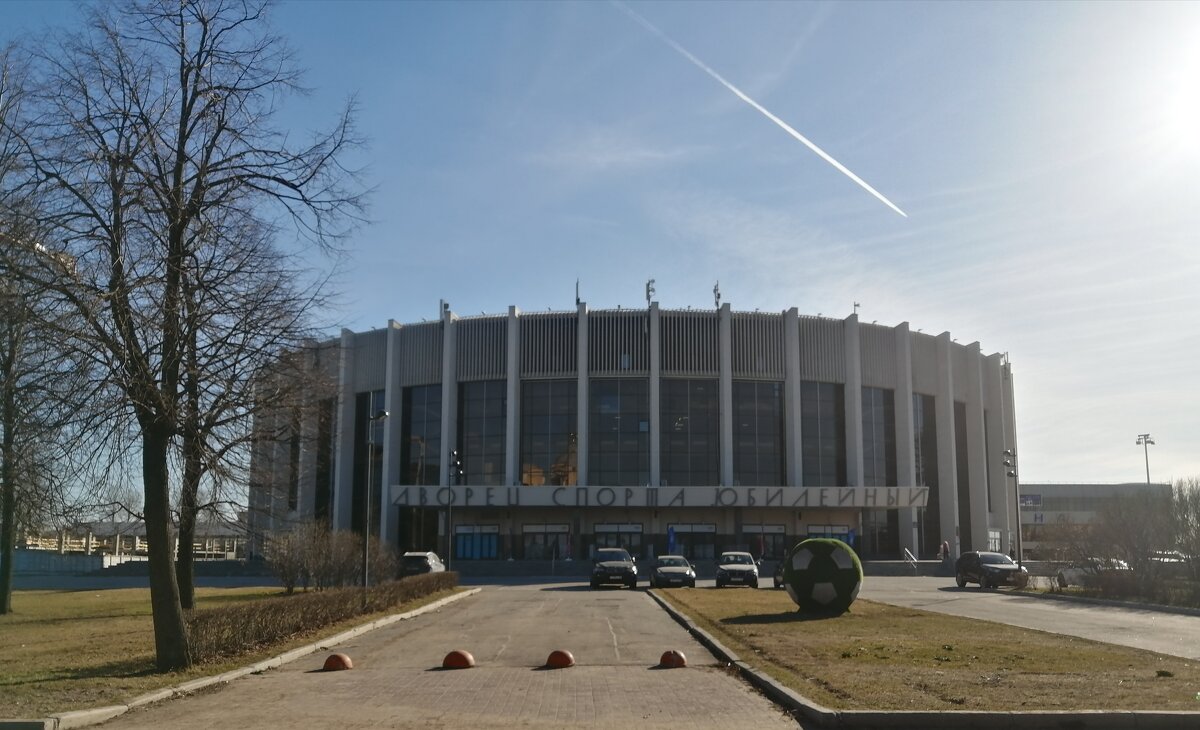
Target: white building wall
[976,448]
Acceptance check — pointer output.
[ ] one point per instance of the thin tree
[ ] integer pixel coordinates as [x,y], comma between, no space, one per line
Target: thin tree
[241,310]
[146,128]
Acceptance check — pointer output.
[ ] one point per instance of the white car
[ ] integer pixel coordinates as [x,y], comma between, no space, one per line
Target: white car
[1086,572]
[416,563]
[737,568]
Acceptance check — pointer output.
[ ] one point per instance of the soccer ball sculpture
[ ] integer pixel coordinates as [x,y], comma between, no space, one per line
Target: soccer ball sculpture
[822,575]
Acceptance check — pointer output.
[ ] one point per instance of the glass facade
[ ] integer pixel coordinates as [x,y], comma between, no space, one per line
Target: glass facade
[368,458]
[481,427]
[758,448]
[880,531]
[690,432]
[694,541]
[421,435]
[925,456]
[546,542]
[964,476]
[619,536]
[879,437]
[548,432]
[822,434]
[618,432]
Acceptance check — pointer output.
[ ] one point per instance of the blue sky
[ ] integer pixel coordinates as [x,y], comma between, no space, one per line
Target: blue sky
[1047,156]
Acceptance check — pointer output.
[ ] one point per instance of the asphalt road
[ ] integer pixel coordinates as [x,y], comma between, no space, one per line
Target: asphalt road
[616,636]
[1165,633]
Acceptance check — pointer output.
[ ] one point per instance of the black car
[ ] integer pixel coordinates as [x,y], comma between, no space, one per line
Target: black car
[989,570]
[613,565]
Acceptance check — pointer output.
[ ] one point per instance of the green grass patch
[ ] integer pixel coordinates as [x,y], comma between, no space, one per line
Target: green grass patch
[881,657]
[69,650]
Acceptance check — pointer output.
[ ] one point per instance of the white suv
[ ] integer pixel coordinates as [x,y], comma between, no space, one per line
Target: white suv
[735,568]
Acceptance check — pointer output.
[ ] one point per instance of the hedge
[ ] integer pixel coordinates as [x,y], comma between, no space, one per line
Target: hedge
[229,631]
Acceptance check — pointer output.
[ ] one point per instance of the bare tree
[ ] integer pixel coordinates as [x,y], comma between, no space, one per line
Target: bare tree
[1137,526]
[37,380]
[241,310]
[1185,511]
[147,130]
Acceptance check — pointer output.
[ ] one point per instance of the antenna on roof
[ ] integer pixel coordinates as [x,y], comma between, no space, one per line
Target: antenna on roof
[650,292]
[577,291]
[856,306]
[717,295]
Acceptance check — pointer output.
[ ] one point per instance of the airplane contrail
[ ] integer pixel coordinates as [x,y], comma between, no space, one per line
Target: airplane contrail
[741,95]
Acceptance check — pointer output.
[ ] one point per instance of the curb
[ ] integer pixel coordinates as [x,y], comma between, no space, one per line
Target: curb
[799,706]
[97,715]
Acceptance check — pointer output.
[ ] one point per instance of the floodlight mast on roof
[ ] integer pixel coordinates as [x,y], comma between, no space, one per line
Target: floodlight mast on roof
[1146,442]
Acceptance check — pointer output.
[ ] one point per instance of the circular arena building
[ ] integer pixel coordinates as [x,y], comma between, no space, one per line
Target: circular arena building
[542,436]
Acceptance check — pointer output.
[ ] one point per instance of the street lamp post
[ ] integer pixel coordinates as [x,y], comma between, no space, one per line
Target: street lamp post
[1146,442]
[456,478]
[1010,461]
[378,417]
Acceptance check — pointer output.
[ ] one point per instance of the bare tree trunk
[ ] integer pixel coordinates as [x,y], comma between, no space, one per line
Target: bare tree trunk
[185,560]
[170,631]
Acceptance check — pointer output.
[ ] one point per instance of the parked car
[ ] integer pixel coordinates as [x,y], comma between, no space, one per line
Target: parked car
[989,570]
[737,568]
[672,570]
[416,563]
[1087,572]
[613,565]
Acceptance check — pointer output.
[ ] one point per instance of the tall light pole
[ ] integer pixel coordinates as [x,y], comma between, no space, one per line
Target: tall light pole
[456,472]
[1146,442]
[1010,461]
[377,418]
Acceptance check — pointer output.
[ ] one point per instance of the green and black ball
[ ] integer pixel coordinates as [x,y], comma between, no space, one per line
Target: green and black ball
[822,575]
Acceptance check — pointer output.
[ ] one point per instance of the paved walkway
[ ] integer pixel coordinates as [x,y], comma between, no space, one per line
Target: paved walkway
[616,636]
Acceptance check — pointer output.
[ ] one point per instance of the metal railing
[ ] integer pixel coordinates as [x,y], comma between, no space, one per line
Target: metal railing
[911,560]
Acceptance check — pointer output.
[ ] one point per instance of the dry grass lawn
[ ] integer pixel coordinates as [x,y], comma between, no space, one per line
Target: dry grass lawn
[881,657]
[69,650]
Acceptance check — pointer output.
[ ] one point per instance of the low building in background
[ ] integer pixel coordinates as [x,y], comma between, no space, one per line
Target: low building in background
[1052,515]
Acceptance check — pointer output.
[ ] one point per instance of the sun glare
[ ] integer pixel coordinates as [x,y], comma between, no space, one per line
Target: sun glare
[1180,122]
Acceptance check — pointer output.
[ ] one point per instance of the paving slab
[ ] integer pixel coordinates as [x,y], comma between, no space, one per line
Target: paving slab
[616,636]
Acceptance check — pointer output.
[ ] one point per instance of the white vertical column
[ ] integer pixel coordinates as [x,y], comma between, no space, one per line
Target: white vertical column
[389,516]
[581,429]
[449,394]
[343,480]
[655,395]
[906,462]
[725,343]
[791,397]
[1010,442]
[947,466]
[976,450]
[512,417]
[993,401]
[854,425]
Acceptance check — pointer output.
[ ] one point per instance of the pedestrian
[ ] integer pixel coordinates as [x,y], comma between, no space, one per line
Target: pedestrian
[945,549]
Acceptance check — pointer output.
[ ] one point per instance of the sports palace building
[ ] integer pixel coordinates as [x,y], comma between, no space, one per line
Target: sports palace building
[545,435]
